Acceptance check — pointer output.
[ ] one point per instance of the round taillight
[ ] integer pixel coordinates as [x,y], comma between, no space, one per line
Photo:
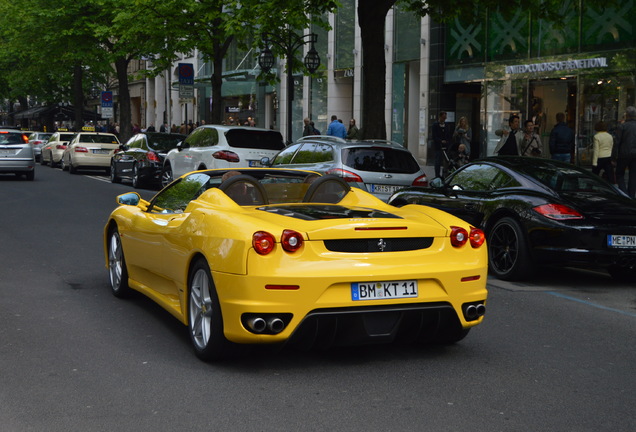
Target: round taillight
[476,237]
[459,236]
[263,242]
[291,240]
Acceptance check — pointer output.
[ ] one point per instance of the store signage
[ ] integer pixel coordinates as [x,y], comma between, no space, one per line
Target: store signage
[558,66]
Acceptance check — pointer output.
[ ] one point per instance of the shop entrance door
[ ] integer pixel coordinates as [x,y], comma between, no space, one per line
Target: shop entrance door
[547,98]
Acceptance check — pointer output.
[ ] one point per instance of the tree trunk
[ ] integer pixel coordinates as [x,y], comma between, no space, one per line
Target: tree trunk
[125,118]
[371,18]
[216,115]
[78,96]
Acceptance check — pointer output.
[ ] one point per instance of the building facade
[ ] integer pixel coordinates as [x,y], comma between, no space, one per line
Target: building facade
[483,67]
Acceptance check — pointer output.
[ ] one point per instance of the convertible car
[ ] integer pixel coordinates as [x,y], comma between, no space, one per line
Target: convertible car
[538,211]
[273,256]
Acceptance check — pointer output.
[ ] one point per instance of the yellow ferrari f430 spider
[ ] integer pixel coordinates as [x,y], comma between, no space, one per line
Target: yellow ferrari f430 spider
[271,256]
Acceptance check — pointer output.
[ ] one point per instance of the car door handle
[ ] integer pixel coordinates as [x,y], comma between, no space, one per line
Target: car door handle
[470,207]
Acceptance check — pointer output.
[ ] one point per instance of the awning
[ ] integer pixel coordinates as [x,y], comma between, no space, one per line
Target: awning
[67,111]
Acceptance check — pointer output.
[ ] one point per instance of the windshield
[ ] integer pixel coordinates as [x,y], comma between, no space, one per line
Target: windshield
[12,138]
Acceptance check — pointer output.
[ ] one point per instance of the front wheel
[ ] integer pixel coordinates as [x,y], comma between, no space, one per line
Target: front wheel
[166,175]
[508,253]
[117,271]
[205,321]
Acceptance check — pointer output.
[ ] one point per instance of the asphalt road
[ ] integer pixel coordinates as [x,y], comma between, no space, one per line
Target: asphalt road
[554,354]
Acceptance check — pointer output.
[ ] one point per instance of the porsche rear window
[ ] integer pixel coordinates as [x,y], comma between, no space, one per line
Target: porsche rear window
[246,138]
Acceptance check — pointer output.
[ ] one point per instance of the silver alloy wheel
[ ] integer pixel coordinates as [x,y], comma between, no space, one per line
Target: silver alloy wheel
[200,309]
[166,176]
[115,261]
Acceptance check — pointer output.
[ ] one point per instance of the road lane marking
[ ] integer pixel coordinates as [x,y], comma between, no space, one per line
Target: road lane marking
[598,306]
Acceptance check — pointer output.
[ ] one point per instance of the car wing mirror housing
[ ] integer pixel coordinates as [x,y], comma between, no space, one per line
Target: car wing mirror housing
[265,161]
[130,198]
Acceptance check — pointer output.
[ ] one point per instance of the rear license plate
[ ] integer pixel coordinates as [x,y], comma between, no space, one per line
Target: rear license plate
[254,163]
[6,152]
[389,189]
[383,290]
[621,241]
[101,151]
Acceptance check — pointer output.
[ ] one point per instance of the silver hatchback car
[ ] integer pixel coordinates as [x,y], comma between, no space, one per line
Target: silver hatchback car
[16,153]
[377,166]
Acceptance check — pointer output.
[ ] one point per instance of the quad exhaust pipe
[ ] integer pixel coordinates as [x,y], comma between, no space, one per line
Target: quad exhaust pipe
[268,325]
[474,311]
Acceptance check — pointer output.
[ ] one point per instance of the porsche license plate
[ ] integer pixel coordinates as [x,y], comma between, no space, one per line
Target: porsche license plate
[385,290]
[388,189]
[621,241]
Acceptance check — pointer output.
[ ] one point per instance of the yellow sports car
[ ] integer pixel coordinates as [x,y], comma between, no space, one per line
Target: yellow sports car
[265,256]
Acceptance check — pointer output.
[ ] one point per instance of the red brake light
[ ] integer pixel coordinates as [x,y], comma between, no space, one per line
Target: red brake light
[152,157]
[459,236]
[81,150]
[421,181]
[226,155]
[347,176]
[291,240]
[476,237]
[558,212]
[263,242]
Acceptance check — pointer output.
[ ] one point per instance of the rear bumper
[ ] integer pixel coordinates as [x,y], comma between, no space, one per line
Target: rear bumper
[16,165]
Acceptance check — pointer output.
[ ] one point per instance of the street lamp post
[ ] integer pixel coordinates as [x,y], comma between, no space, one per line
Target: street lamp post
[289,44]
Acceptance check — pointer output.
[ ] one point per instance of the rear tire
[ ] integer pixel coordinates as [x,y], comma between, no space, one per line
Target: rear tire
[622,273]
[30,175]
[508,253]
[136,181]
[205,320]
[71,168]
[113,174]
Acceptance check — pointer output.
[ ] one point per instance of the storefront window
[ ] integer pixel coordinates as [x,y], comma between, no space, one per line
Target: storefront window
[503,98]
[602,99]
[318,102]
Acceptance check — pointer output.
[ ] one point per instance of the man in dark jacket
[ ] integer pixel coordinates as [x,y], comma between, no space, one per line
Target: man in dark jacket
[624,152]
[442,135]
[561,140]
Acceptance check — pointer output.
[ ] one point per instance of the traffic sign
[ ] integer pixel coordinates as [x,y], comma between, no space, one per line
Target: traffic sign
[107,99]
[186,74]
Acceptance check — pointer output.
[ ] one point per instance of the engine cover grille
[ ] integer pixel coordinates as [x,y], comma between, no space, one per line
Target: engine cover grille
[379,244]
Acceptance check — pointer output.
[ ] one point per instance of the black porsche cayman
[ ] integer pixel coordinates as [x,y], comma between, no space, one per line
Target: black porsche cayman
[538,211]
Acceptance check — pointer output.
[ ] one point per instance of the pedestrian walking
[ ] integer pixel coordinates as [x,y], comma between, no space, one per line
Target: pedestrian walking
[510,141]
[561,140]
[602,155]
[442,136]
[336,128]
[624,152]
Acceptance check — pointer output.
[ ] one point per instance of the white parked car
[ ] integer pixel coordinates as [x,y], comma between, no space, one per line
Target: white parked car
[37,139]
[54,148]
[90,150]
[218,146]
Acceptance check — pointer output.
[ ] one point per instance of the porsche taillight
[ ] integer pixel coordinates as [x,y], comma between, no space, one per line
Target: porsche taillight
[459,236]
[226,155]
[152,157]
[558,212]
[476,237]
[263,242]
[291,240]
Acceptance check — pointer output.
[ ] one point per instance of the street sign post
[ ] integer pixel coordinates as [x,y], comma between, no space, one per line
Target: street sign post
[186,81]
[107,104]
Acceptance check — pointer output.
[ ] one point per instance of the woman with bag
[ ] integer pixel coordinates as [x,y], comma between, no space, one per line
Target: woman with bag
[531,143]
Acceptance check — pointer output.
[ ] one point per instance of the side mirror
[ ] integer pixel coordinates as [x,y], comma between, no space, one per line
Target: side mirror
[265,161]
[180,146]
[437,183]
[130,198]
